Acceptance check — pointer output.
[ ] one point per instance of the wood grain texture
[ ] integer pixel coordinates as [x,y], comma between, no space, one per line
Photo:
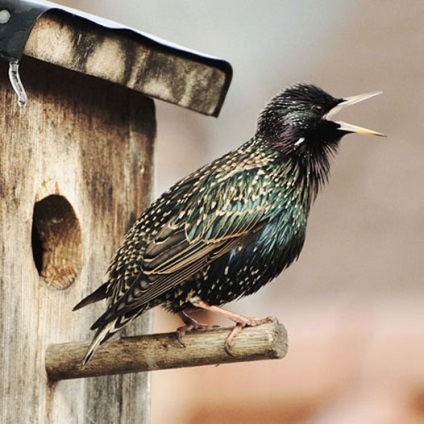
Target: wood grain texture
[90,142]
[56,241]
[82,46]
[164,351]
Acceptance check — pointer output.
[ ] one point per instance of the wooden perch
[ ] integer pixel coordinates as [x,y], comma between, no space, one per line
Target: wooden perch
[164,351]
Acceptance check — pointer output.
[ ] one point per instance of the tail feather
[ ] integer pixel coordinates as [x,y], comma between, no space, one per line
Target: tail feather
[104,334]
[99,294]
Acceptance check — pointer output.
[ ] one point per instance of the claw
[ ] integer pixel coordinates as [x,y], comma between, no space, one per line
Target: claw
[229,341]
[240,320]
[190,325]
[180,334]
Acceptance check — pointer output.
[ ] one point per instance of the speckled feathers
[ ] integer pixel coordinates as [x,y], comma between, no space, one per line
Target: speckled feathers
[232,226]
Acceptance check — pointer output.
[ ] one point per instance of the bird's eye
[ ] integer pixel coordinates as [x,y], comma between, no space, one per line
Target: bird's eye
[317,108]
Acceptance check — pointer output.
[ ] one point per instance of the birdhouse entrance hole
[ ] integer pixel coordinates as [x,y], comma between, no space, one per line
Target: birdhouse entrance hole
[56,241]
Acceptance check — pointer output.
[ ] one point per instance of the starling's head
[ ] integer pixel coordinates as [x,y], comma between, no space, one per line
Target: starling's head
[298,120]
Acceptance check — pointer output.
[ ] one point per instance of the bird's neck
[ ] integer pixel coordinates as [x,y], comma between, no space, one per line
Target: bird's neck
[304,174]
[315,171]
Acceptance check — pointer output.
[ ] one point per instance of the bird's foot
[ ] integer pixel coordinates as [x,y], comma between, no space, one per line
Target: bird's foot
[245,322]
[240,320]
[190,325]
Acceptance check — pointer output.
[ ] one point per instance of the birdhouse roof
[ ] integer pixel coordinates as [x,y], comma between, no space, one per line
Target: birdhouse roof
[84,43]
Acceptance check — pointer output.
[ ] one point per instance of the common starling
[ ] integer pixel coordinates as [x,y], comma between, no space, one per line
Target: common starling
[232,226]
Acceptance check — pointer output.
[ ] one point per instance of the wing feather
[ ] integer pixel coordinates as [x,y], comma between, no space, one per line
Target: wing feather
[215,218]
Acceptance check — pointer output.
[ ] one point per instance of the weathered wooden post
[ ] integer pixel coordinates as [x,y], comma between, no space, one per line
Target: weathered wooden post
[75,171]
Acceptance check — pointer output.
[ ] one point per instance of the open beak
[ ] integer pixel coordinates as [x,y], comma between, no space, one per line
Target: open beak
[348,101]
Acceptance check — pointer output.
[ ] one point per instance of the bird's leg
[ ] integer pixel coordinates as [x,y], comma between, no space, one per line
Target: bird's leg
[240,320]
[191,324]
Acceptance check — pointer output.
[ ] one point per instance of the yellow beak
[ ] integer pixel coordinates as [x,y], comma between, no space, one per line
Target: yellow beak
[348,101]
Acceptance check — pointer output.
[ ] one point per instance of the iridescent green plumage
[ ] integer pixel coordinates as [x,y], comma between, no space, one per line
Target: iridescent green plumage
[232,226]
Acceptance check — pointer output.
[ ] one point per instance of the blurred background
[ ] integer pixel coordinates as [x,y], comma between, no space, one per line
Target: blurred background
[353,303]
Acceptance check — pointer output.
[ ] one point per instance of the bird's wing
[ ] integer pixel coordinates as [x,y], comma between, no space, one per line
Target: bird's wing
[221,212]
[230,206]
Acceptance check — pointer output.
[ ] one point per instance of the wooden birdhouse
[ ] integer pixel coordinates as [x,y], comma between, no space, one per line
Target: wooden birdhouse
[77,140]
